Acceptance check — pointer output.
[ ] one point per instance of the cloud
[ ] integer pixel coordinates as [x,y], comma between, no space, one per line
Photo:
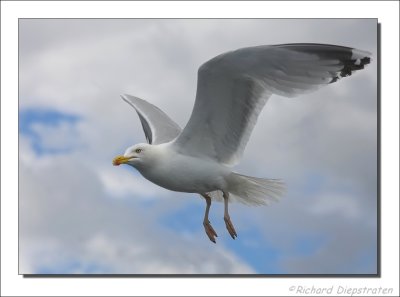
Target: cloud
[119,183]
[68,224]
[323,145]
[50,131]
[339,205]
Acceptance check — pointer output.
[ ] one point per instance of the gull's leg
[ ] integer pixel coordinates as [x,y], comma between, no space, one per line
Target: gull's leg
[206,223]
[227,218]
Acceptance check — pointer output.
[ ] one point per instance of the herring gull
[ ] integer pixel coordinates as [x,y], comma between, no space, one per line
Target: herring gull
[232,89]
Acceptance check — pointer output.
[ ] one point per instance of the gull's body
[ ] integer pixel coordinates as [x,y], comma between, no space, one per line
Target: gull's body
[183,173]
[232,89]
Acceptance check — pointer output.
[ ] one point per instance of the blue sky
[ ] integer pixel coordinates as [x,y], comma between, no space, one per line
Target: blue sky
[31,119]
[79,214]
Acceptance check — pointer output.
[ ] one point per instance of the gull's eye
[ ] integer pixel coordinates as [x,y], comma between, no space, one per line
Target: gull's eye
[138,150]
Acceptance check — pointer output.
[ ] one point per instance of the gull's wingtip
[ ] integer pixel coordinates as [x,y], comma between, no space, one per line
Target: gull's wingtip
[359,54]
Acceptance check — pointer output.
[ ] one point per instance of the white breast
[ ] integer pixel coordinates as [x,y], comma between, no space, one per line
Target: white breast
[183,173]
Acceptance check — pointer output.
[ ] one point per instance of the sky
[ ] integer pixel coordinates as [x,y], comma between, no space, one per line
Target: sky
[79,214]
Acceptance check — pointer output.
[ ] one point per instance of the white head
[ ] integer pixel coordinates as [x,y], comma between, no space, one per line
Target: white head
[137,156]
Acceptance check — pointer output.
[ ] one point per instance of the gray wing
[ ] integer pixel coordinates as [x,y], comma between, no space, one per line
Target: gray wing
[232,89]
[157,126]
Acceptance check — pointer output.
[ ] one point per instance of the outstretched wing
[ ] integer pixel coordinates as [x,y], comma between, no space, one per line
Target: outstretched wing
[157,126]
[232,89]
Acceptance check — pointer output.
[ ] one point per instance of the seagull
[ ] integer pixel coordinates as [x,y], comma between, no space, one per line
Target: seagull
[232,89]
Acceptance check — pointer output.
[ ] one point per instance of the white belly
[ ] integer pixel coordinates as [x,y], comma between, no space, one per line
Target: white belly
[187,174]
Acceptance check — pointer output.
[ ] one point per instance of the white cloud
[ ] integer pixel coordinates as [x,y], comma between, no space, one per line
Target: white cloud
[119,183]
[336,205]
[64,136]
[68,224]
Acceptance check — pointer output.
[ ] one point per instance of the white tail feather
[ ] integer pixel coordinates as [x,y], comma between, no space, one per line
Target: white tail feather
[253,190]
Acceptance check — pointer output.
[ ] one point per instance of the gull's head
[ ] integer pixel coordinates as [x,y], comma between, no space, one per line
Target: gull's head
[136,155]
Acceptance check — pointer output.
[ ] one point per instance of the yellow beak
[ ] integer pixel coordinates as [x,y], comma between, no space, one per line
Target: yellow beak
[118,160]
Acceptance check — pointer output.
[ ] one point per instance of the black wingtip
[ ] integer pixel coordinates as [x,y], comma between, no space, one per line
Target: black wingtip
[351,59]
[350,66]
[365,60]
